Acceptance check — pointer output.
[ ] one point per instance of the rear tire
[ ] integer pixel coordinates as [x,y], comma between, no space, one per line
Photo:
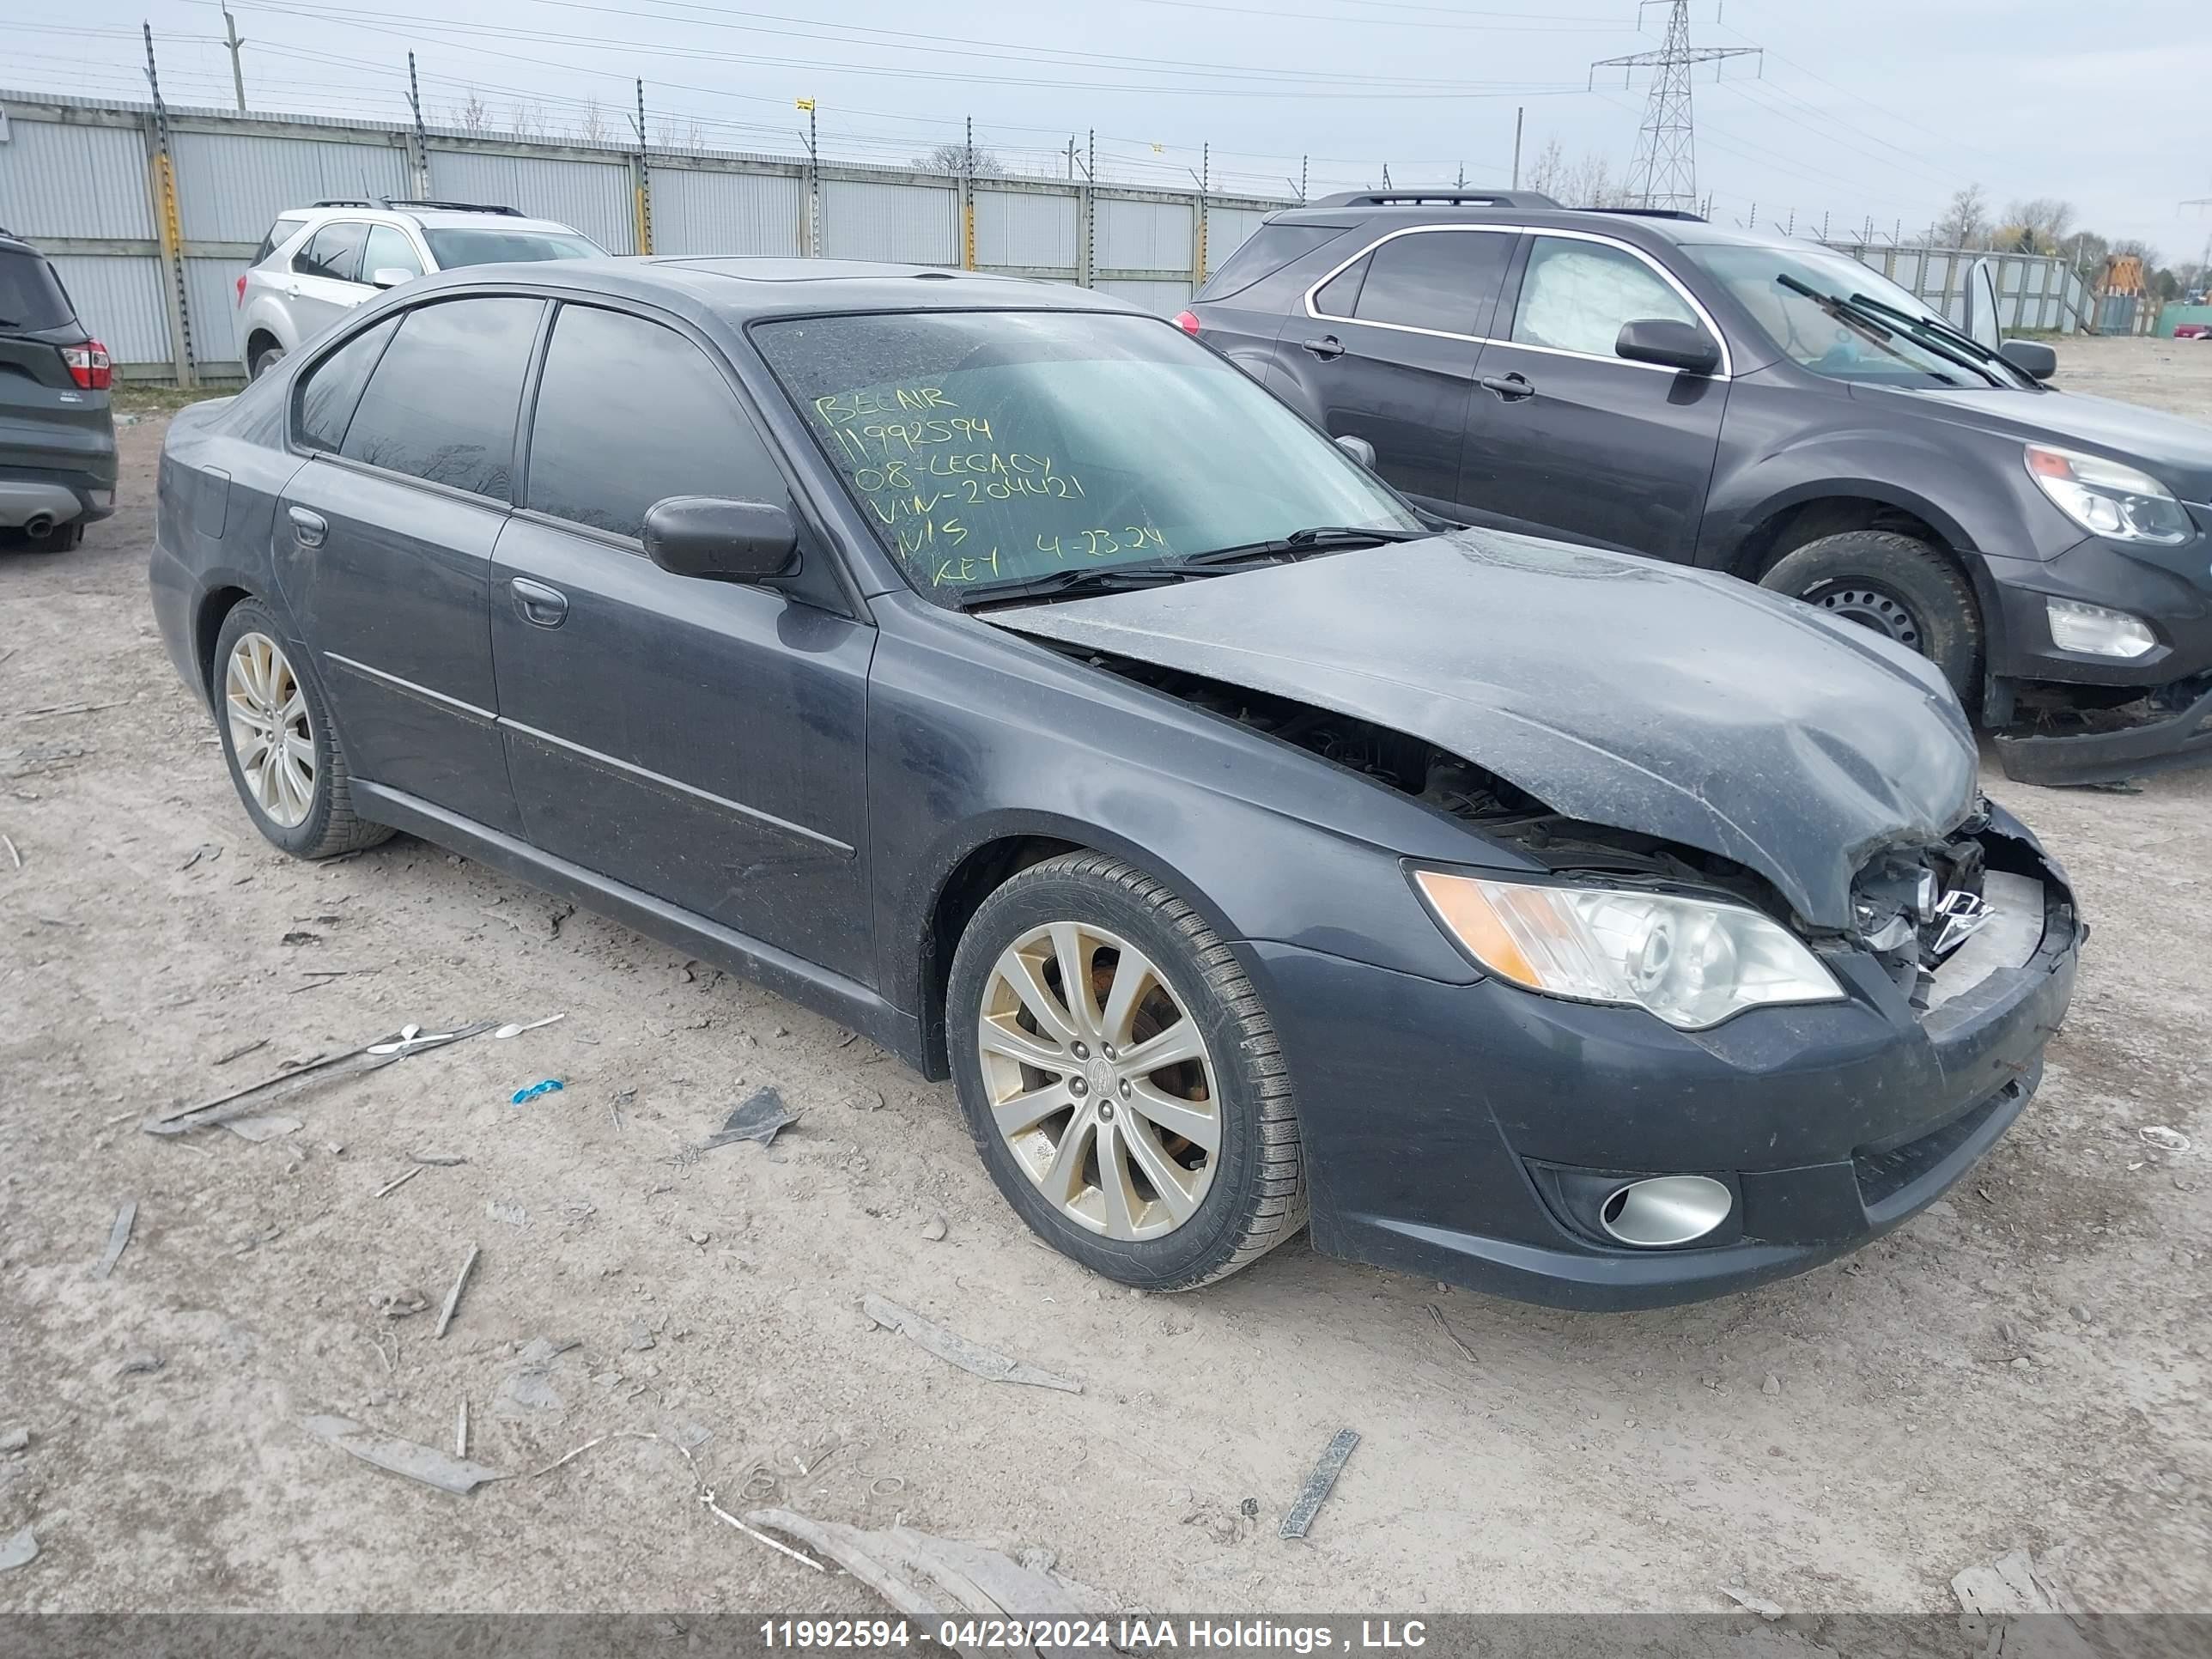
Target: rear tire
[283,752]
[1896,585]
[263,361]
[1175,1213]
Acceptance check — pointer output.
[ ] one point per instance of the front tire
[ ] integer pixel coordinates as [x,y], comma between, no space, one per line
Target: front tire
[283,752]
[1898,586]
[1120,1078]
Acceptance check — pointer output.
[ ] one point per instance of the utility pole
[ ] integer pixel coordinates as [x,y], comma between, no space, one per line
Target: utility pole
[1302,180]
[968,199]
[1519,115]
[1205,177]
[1664,173]
[237,74]
[1461,185]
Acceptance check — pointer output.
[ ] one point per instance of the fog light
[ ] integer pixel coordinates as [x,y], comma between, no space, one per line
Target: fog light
[1665,1210]
[2092,629]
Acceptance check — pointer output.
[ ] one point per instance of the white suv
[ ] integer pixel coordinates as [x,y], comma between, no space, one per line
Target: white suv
[316,263]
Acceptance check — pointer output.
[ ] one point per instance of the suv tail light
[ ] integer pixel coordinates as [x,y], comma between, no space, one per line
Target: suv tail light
[90,366]
[1187,322]
[241,287]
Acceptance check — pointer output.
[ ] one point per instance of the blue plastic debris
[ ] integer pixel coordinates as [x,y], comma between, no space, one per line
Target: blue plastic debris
[551,1086]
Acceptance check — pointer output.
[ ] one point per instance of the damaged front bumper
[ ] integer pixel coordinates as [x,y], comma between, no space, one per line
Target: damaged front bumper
[2170,726]
[1469,1132]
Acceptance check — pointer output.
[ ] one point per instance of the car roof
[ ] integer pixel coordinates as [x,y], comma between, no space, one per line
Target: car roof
[739,289]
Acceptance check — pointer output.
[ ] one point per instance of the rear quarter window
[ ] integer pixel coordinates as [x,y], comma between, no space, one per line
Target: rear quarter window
[286,227]
[31,296]
[1265,251]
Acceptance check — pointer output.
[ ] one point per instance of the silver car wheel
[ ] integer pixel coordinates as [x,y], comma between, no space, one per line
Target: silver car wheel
[271,732]
[1100,1081]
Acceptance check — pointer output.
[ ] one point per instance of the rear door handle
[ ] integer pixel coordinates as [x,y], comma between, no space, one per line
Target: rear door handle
[541,606]
[1327,347]
[308,529]
[1510,387]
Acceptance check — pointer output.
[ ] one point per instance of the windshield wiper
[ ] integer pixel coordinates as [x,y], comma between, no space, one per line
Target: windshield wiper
[1947,330]
[1316,538]
[1877,322]
[1100,579]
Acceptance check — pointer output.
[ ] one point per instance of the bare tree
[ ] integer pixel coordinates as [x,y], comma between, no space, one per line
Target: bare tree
[1550,167]
[593,125]
[958,158]
[1965,221]
[472,115]
[526,120]
[1589,183]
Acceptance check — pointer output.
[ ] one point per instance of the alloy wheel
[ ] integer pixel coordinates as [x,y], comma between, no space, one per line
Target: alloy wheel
[1100,1081]
[272,732]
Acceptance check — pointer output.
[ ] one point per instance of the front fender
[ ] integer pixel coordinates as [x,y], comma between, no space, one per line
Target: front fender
[976,735]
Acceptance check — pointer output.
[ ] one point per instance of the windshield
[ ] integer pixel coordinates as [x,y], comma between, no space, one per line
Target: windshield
[452,248]
[1814,339]
[1001,446]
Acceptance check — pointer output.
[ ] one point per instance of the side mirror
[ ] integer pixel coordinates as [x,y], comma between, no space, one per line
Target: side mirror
[2030,357]
[1359,448]
[711,536]
[1669,342]
[390,276]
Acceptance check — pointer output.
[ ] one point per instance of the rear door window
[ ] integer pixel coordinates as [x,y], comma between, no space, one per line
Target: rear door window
[1441,279]
[31,296]
[442,402]
[1576,295]
[333,386]
[629,413]
[333,251]
[388,249]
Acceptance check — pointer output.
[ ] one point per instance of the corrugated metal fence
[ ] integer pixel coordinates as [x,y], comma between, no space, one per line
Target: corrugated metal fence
[86,180]
[2033,292]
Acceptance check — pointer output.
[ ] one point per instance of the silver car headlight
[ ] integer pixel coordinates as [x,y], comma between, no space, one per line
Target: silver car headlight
[2107,499]
[1692,962]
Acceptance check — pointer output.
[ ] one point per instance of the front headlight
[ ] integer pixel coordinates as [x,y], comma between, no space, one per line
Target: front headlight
[1692,962]
[2108,499]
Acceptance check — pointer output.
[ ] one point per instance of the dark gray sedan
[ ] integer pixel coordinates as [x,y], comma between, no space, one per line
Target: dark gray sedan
[999,672]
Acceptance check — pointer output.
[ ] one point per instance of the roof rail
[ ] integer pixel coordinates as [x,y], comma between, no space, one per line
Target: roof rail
[1649,213]
[388,202]
[1437,195]
[452,207]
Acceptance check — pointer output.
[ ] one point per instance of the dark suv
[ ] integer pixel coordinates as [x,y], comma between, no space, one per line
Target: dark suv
[57,432]
[1655,383]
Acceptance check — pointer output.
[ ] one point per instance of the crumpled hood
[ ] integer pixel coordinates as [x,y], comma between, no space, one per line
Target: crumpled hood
[1647,696]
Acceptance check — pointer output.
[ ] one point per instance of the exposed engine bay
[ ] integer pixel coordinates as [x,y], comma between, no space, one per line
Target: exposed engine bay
[1913,908]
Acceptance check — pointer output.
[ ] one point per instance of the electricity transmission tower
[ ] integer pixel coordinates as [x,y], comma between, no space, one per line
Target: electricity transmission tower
[1665,172]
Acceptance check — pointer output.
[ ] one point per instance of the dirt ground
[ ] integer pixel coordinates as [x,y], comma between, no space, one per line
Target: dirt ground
[2024,1366]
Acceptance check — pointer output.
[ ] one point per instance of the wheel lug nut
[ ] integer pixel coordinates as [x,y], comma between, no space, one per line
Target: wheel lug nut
[1106,1111]
[1077,1087]
[1081,1052]
[1125,1088]
[1107,1049]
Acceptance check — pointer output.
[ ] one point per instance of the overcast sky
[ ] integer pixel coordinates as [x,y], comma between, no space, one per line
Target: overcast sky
[1879,109]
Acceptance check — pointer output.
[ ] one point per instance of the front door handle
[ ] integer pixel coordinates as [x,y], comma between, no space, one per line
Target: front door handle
[308,529]
[541,606]
[1512,388]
